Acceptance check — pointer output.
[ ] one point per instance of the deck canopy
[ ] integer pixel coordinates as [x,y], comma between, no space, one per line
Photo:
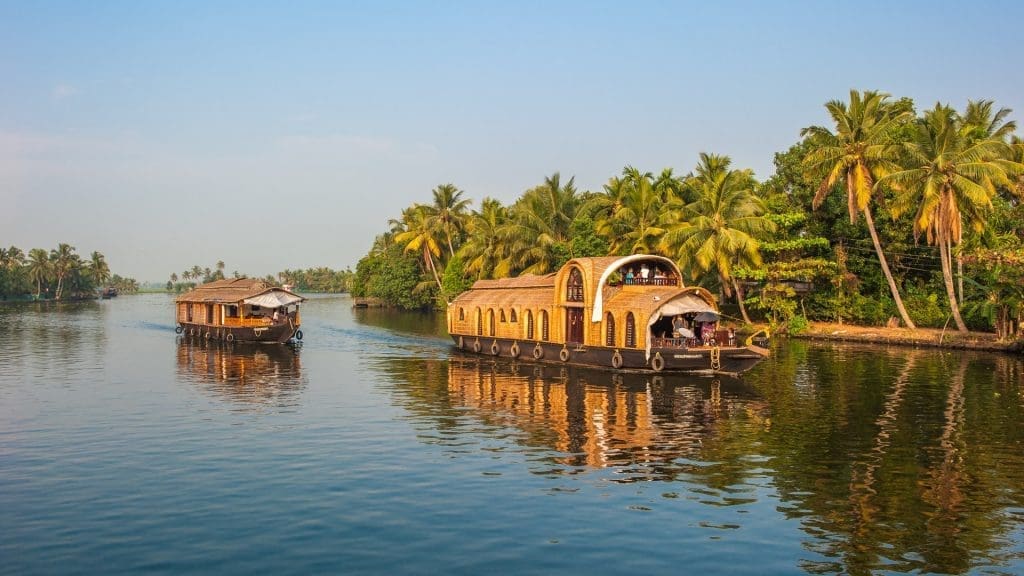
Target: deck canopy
[688,303]
[274,299]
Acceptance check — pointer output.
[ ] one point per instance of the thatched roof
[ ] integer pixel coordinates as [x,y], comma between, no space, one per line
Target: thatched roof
[530,297]
[527,281]
[230,290]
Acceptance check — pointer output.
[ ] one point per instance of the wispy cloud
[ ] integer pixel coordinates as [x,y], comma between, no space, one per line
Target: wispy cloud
[63,92]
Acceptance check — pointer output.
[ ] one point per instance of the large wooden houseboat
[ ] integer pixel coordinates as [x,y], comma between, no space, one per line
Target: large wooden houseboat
[624,313]
[239,309]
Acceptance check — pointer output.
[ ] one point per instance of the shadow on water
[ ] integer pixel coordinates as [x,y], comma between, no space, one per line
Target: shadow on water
[243,373]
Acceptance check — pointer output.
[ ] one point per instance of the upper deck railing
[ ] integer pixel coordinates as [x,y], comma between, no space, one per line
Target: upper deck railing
[653,281]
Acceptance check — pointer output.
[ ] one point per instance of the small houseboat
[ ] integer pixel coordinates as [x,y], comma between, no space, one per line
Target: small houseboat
[239,309]
[624,313]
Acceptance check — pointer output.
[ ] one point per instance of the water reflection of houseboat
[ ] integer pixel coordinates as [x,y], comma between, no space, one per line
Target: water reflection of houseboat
[244,372]
[601,418]
[624,313]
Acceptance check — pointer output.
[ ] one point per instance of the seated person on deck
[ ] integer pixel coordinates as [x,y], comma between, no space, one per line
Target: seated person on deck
[679,329]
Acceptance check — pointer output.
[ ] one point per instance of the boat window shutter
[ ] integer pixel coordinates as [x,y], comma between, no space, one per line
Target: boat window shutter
[609,323]
[490,322]
[501,312]
[512,315]
[529,324]
[479,323]
[544,335]
[462,314]
[630,331]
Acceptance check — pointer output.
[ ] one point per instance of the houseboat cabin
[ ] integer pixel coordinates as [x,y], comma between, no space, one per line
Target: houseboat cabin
[626,313]
[239,309]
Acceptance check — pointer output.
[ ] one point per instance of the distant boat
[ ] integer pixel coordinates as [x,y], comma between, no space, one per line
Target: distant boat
[239,309]
[108,293]
[623,313]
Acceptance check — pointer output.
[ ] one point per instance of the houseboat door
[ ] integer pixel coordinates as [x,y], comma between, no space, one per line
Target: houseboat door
[574,325]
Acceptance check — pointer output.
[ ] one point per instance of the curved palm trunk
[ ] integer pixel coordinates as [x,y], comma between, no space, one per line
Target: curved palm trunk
[433,268]
[947,277]
[885,270]
[739,300]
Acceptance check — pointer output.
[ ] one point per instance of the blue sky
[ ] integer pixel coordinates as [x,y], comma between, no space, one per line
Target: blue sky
[284,135]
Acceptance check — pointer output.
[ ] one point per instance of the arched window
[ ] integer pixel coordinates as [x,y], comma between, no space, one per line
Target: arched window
[462,313]
[544,325]
[490,322]
[609,329]
[630,331]
[479,323]
[574,288]
[501,311]
[512,315]
[529,324]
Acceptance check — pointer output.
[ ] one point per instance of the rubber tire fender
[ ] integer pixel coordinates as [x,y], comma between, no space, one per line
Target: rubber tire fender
[658,363]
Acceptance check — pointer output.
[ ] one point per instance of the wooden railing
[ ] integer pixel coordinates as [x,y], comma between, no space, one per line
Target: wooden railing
[638,281]
[249,321]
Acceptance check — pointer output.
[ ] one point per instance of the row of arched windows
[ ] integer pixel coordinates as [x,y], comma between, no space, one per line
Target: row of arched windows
[512,318]
[545,332]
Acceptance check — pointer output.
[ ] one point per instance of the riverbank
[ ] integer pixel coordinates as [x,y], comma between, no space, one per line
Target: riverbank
[919,337]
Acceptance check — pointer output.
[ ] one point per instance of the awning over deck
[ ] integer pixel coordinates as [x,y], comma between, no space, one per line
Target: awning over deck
[274,299]
[686,304]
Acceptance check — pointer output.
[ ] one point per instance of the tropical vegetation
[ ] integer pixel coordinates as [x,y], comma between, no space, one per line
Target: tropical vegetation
[884,216]
[57,274]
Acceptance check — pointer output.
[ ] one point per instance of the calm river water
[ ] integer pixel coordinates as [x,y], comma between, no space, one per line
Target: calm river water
[376,448]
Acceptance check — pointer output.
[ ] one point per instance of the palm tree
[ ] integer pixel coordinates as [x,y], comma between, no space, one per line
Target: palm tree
[603,207]
[448,212]
[981,121]
[540,225]
[483,251]
[860,151]
[38,268]
[197,273]
[950,175]
[641,216]
[220,270]
[718,230]
[421,235]
[99,271]
[63,260]
[1017,155]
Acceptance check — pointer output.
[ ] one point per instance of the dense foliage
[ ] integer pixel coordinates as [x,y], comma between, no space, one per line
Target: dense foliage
[58,274]
[887,216]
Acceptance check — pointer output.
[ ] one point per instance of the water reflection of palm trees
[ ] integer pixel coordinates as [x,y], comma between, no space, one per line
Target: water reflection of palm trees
[640,423]
[250,373]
